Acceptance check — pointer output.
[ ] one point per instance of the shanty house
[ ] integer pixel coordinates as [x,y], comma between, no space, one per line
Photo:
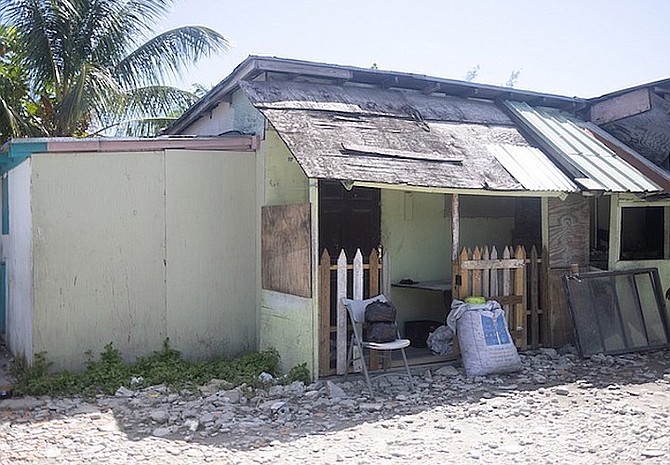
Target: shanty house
[420,168]
[249,243]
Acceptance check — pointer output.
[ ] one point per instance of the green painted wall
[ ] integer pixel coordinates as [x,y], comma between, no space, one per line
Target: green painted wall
[416,233]
[132,248]
[287,325]
[617,201]
[284,180]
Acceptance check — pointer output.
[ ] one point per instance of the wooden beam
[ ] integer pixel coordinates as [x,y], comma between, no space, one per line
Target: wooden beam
[390,81]
[431,87]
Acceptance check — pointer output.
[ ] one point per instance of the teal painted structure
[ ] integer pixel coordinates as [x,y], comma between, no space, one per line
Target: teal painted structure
[15,151]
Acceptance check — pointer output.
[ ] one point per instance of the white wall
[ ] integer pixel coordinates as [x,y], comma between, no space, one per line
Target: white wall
[17,249]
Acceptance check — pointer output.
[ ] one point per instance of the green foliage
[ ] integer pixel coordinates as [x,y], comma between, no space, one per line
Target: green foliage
[83,65]
[299,373]
[109,372]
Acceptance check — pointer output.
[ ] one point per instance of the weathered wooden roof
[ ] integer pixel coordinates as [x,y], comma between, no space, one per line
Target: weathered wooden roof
[394,137]
[268,68]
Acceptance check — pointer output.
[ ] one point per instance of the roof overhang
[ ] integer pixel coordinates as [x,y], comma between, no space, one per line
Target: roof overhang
[15,151]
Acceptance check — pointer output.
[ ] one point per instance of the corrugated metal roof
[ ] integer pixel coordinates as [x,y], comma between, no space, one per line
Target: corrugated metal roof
[592,164]
[532,168]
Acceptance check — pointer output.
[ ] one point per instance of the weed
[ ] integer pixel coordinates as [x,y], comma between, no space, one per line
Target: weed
[166,366]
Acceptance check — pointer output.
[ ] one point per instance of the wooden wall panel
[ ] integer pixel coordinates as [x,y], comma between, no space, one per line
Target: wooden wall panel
[568,231]
[286,249]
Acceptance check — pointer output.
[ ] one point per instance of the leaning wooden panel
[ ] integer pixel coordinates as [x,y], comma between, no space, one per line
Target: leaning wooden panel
[286,249]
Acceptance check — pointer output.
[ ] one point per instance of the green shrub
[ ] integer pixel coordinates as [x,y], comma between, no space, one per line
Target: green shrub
[109,372]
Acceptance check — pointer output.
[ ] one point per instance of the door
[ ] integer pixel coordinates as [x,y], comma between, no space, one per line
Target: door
[348,219]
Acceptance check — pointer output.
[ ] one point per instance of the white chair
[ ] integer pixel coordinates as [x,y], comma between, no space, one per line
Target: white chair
[356,311]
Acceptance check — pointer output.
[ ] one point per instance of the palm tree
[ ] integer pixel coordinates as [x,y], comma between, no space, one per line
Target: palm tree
[17,116]
[95,66]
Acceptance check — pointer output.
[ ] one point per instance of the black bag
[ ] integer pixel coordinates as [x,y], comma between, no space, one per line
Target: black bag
[380,322]
[378,311]
[381,331]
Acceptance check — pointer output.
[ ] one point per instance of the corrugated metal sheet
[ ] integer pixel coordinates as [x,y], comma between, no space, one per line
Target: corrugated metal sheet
[592,164]
[532,168]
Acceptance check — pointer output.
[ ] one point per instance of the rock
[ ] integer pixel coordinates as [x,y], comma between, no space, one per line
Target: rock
[159,416]
[296,389]
[161,432]
[214,386]
[447,370]
[561,391]
[335,392]
[25,403]
[548,352]
[52,452]
[653,453]
[265,377]
[124,392]
[192,425]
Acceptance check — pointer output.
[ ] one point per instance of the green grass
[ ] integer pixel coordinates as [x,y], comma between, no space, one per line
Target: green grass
[109,372]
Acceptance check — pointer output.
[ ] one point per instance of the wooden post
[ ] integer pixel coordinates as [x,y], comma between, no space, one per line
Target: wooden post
[341,314]
[520,308]
[358,275]
[373,287]
[534,301]
[455,227]
[464,289]
[324,314]
[455,246]
[486,275]
[477,274]
[495,288]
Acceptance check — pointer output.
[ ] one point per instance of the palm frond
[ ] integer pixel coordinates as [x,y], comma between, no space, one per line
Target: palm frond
[140,127]
[42,26]
[168,55]
[158,101]
[91,95]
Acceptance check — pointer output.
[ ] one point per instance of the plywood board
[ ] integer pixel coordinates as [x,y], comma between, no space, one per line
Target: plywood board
[286,249]
[568,231]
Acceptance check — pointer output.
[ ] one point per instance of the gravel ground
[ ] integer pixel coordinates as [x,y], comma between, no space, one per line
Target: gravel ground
[559,409]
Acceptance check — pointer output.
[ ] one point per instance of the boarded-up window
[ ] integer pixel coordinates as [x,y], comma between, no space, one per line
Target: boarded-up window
[286,249]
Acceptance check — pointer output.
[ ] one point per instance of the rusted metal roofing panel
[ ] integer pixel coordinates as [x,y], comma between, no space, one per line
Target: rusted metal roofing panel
[592,164]
[532,168]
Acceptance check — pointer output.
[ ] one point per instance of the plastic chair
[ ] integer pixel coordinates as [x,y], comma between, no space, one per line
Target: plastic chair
[356,311]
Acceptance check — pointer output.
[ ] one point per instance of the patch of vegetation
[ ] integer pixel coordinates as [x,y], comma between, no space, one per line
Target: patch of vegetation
[109,372]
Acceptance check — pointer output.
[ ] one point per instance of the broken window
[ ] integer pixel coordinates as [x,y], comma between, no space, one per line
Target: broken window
[642,233]
[617,311]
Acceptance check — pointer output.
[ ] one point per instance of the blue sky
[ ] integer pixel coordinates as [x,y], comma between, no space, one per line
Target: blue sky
[584,48]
